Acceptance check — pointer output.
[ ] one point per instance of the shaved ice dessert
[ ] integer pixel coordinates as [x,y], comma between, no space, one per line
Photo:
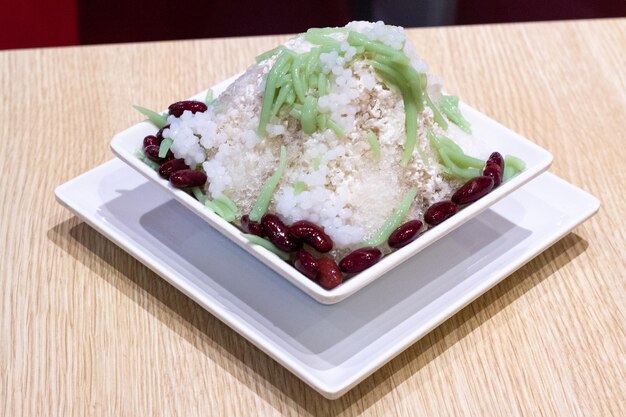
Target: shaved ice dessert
[333,150]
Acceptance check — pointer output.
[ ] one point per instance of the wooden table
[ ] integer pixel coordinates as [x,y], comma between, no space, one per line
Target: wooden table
[88,330]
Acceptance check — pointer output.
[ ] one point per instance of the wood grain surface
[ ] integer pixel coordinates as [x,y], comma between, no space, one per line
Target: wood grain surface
[88,330]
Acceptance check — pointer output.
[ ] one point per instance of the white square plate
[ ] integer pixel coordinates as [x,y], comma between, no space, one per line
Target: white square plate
[497,137]
[332,348]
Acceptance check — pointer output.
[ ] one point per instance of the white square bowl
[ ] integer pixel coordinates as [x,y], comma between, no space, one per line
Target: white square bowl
[497,137]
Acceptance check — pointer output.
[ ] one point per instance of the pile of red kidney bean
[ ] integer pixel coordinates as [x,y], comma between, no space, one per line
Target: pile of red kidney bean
[175,170]
[328,273]
[323,270]
[471,191]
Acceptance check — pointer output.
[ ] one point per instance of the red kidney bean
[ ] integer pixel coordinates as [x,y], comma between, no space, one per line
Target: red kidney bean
[193,106]
[473,190]
[159,134]
[493,171]
[169,167]
[439,212]
[404,234]
[150,141]
[152,152]
[278,233]
[312,234]
[497,158]
[360,260]
[494,168]
[252,227]
[329,275]
[187,178]
[306,263]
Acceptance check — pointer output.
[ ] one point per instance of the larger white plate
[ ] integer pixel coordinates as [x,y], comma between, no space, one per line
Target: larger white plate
[497,137]
[334,347]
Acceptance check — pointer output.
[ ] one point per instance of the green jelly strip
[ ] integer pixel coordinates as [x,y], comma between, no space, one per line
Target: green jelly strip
[443,169]
[263,201]
[357,39]
[164,147]
[328,30]
[439,119]
[508,173]
[298,79]
[226,213]
[291,98]
[317,38]
[275,73]
[454,169]
[284,69]
[322,121]
[410,122]
[372,139]
[209,97]
[335,128]
[197,192]
[299,187]
[515,163]
[309,115]
[407,77]
[323,84]
[257,240]
[150,163]
[159,120]
[436,113]
[312,63]
[450,106]
[281,99]
[389,82]
[456,163]
[227,202]
[512,167]
[391,75]
[222,206]
[269,54]
[394,221]
[359,50]
[297,106]
[295,113]
[457,155]
[465,161]
[219,209]
[284,80]
[444,141]
[331,47]
[415,86]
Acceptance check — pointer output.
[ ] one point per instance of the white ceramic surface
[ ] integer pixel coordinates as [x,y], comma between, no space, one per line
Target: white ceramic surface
[330,347]
[497,137]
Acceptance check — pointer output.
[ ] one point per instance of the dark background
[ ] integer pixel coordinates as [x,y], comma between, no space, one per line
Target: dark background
[41,23]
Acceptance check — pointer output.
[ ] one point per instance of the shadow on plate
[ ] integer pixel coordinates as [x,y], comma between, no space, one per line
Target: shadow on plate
[218,266]
[206,332]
